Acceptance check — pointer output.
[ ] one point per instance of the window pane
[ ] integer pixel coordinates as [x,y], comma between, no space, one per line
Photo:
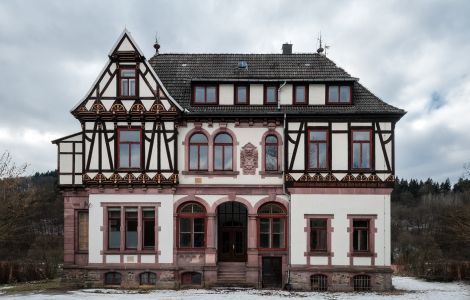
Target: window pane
[228,158]
[271,94]
[193,157]
[223,138]
[276,241]
[114,239]
[211,94]
[124,156]
[241,94]
[131,228]
[277,225]
[198,138]
[333,93]
[124,87]
[318,223]
[322,155]
[264,225]
[128,73]
[135,155]
[131,87]
[318,135]
[264,240]
[361,135]
[199,94]
[185,225]
[129,136]
[361,224]
[300,94]
[199,225]
[364,240]
[271,139]
[271,158]
[365,156]
[356,155]
[345,94]
[218,157]
[313,161]
[148,212]
[149,233]
[185,240]
[198,240]
[322,239]
[203,158]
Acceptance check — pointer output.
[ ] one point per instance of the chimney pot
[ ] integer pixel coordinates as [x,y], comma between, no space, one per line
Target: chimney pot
[286,48]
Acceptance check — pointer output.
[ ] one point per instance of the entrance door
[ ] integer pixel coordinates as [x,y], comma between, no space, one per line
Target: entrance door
[232,231]
[272,272]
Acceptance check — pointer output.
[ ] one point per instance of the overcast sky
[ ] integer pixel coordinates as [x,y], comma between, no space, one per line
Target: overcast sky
[412,54]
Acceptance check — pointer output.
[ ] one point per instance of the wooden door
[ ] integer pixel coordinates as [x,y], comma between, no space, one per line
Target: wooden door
[272,272]
[232,232]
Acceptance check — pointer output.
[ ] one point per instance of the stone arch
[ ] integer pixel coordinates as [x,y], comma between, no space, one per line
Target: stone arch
[273,199]
[190,198]
[243,201]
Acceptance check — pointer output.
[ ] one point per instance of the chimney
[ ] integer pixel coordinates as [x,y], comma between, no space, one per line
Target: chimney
[286,48]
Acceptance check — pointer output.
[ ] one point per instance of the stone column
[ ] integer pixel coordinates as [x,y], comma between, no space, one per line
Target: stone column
[252,269]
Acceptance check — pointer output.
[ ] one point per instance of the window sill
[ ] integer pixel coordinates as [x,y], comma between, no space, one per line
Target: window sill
[318,253]
[270,173]
[130,252]
[211,173]
[192,250]
[362,254]
[272,249]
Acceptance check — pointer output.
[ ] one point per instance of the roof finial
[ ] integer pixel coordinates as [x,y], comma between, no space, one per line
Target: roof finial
[320,49]
[156,45]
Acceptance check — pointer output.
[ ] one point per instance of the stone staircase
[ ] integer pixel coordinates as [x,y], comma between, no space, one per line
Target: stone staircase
[232,274]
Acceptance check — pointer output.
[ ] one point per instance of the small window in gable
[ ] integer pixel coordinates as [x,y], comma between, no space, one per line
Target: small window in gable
[127,82]
[205,94]
[339,94]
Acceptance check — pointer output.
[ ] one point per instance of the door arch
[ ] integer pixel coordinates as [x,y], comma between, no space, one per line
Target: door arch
[232,224]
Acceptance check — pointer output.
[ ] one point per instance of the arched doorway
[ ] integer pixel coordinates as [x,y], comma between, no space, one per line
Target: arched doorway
[232,219]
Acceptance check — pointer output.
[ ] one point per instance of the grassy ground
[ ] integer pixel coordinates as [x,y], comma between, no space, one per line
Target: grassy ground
[50,286]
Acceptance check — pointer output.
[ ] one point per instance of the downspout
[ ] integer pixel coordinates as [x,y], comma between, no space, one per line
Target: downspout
[278,98]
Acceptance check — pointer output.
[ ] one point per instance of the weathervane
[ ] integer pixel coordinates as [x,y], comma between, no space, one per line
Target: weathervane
[320,49]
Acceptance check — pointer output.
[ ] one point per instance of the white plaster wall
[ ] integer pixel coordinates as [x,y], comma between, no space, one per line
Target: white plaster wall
[144,90]
[316,94]
[126,45]
[285,95]
[226,94]
[340,206]
[256,94]
[243,136]
[165,222]
[110,91]
[66,163]
[379,155]
[339,126]
[339,151]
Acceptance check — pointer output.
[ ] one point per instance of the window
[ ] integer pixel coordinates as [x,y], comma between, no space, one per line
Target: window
[148,278]
[300,94]
[271,153]
[360,235]
[339,94]
[148,231]
[114,228]
[242,94]
[361,283]
[82,220]
[361,149]
[205,94]
[131,228]
[319,282]
[272,223]
[192,278]
[192,226]
[317,149]
[318,235]
[129,148]
[112,278]
[127,82]
[223,150]
[198,146]
[270,94]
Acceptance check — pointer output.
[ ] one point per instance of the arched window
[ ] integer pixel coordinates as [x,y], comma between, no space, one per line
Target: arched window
[271,153]
[198,148]
[272,226]
[148,278]
[361,283]
[192,226]
[112,278]
[319,282]
[223,150]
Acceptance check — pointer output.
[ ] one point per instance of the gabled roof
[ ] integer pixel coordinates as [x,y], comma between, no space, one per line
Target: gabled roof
[125,42]
[178,71]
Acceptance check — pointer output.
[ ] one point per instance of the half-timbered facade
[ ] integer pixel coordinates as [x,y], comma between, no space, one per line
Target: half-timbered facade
[213,169]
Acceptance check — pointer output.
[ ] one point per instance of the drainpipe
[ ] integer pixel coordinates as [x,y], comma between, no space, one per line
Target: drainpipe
[289,215]
[278,98]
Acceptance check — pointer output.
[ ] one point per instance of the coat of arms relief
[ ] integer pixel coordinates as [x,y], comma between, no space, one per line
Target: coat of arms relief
[249,159]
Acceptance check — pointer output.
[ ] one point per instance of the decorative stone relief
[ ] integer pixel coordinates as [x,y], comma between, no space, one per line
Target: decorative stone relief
[249,159]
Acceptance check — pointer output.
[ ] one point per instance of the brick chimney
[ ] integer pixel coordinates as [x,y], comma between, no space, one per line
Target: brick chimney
[286,48]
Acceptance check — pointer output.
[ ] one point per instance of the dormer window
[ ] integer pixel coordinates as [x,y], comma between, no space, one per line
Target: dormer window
[127,82]
[270,94]
[339,94]
[300,94]
[242,94]
[205,94]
